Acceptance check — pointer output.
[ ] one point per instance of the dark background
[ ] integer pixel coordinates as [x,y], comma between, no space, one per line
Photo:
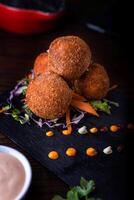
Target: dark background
[106,14]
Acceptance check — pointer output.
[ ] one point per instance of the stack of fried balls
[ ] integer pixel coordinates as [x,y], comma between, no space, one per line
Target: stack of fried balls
[65,68]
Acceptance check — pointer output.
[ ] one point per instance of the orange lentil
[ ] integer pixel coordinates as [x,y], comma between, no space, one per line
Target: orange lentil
[93,130]
[91,151]
[53,155]
[49,133]
[114,128]
[130,126]
[71,151]
[67,132]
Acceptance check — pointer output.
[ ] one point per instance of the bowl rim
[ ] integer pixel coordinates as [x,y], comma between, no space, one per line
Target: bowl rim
[25,163]
[31,11]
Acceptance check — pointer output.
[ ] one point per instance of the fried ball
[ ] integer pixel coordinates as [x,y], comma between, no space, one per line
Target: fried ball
[69,57]
[41,64]
[48,96]
[94,84]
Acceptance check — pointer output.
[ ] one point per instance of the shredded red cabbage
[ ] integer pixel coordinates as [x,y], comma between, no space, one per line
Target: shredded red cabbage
[77,119]
[21,85]
[18,90]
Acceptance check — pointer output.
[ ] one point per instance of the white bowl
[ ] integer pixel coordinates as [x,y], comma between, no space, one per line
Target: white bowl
[25,163]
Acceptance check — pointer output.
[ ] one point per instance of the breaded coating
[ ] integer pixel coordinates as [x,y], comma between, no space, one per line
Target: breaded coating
[69,57]
[41,64]
[48,96]
[94,84]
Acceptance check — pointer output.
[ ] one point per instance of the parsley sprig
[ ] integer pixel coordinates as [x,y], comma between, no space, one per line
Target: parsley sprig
[80,192]
[17,115]
[103,105]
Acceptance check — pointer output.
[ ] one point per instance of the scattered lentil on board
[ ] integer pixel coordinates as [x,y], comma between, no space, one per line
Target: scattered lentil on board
[114,128]
[93,130]
[71,151]
[49,133]
[53,155]
[66,132]
[91,151]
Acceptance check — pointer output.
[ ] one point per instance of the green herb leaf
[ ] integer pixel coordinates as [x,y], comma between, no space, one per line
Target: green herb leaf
[83,182]
[90,186]
[57,197]
[16,111]
[86,189]
[81,192]
[26,81]
[7,107]
[72,195]
[15,114]
[102,106]
[24,119]
[24,91]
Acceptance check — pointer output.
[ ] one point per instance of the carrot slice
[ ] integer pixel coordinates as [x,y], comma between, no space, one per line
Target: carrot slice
[2,110]
[84,106]
[78,97]
[68,120]
[68,123]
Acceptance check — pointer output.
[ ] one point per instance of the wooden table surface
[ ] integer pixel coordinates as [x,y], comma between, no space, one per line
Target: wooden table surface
[17,54]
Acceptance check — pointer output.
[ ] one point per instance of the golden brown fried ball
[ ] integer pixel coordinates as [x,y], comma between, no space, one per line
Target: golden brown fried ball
[41,64]
[94,84]
[69,57]
[48,96]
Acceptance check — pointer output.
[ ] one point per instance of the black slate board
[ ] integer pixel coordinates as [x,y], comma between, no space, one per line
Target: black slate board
[106,170]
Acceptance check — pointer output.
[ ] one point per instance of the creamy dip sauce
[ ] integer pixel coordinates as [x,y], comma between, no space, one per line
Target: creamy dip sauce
[12,177]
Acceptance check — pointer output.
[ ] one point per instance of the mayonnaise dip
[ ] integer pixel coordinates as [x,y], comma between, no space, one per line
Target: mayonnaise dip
[12,176]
